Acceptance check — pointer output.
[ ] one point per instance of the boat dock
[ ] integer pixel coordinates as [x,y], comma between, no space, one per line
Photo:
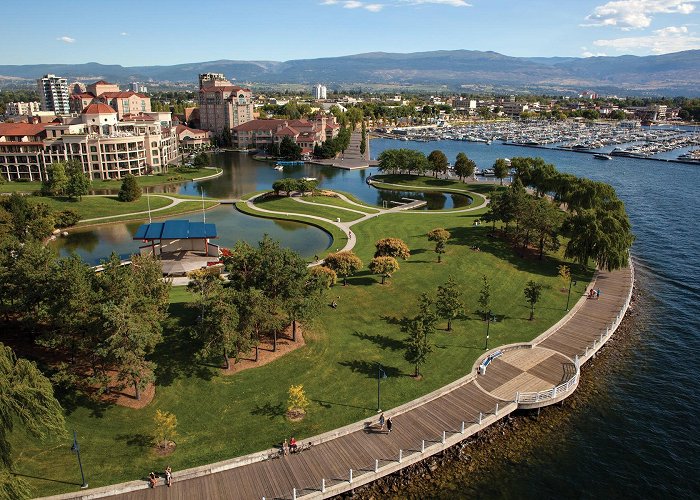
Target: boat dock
[525,375]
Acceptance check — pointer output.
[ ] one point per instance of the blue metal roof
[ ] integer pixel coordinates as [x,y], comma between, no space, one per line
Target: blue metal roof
[175,230]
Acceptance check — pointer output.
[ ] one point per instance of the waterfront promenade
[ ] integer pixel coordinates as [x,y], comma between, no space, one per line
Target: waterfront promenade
[527,375]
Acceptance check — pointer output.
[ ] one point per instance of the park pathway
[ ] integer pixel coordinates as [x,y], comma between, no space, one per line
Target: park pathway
[525,375]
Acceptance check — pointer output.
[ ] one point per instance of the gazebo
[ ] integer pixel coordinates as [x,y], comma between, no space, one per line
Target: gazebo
[183,246]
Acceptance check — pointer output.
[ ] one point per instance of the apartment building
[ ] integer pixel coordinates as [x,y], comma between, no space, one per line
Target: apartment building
[22,108]
[107,147]
[306,133]
[124,103]
[221,104]
[54,95]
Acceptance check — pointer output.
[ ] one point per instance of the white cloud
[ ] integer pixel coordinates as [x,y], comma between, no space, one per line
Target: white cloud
[636,14]
[374,7]
[124,33]
[329,2]
[66,39]
[661,41]
[352,4]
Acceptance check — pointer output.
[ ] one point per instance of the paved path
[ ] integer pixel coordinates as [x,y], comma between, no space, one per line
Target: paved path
[422,427]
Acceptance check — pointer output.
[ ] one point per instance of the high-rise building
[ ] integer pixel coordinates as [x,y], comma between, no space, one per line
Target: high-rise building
[319,91]
[221,104]
[54,94]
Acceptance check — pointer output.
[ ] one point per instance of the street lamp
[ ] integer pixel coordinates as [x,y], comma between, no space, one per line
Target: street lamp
[568,297]
[76,448]
[380,375]
[488,323]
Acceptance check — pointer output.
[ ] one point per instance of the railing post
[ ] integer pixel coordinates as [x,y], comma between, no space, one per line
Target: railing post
[517,397]
[481,415]
[462,430]
[376,465]
[400,456]
[323,485]
[444,435]
[422,446]
[350,476]
[496,409]
[554,394]
[294,494]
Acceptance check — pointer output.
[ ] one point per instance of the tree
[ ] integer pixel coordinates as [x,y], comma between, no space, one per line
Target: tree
[201,160]
[417,345]
[485,297]
[130,190]
[533,291]
[500,169]
[386,266]
[323,275]
[219,332]
[464,167]
[56,179]
[392,247]
[258,315]
[289,149]
[344,263]
[297,402]
[78,183]
[448,301]
[440,237]
[363,141]
[27,400]
[438,162]
[164,428]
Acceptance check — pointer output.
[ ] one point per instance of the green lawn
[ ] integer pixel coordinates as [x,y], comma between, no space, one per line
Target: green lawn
[337,202]
[339,238]
[285,204]
[181,208]
[478,191]
[222,417]
[102,206]
[172,177]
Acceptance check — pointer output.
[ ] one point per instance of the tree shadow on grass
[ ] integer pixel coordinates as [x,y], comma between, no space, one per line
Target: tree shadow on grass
[17,474]
[381,340]
[269,410]
[72,398]
[142,441]
[329,404]
[370,368]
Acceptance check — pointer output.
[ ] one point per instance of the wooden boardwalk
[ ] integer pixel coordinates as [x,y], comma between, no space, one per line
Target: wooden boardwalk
[421,428]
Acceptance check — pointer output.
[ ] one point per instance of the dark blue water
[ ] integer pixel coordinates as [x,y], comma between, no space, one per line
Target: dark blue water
[639,436]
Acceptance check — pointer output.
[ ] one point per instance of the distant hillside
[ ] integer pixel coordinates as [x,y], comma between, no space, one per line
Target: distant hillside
[669,74]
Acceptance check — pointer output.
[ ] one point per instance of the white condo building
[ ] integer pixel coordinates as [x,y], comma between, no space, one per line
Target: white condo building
[53,91]
[319,91]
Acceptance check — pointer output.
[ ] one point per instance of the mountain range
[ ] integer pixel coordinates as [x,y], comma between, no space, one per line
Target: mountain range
[668,74]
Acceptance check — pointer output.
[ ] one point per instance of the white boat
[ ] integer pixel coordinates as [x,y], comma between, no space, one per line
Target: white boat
[601,156]
[279,167]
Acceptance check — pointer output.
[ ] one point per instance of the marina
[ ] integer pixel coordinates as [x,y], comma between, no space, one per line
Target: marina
[625,138]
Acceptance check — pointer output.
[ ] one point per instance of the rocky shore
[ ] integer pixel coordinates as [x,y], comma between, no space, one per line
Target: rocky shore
[511,441]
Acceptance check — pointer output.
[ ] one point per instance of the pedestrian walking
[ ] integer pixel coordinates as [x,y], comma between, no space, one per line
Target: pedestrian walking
[168,475]
[597,294]
[381,421]
[389,425]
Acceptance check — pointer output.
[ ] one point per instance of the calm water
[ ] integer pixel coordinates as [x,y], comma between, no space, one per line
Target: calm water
[640,436]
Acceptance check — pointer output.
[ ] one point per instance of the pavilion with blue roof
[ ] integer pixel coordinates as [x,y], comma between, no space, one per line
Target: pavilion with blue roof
[182,245]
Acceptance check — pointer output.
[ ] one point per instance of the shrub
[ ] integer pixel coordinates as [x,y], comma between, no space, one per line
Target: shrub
[130,190]
[66,218]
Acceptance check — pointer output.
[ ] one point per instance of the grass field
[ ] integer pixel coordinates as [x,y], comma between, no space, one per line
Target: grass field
[221,417]
[284,204]
[171,177]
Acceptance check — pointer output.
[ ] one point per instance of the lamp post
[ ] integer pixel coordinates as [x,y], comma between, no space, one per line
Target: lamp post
[568,297]
[380,375]
[76,448]
[488,324]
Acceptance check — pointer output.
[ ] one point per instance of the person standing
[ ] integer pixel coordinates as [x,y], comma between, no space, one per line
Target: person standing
[168,475]
[389,425]
[381,421]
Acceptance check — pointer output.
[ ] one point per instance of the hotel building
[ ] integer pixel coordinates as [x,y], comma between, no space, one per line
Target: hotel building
[221,104]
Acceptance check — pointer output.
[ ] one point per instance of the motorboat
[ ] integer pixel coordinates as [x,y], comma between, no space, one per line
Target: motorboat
[602,156]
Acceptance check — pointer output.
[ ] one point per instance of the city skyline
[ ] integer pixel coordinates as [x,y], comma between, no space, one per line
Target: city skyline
[328,28]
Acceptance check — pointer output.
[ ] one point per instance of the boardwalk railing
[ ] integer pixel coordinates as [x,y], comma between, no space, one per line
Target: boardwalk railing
[605,335]
[553,393]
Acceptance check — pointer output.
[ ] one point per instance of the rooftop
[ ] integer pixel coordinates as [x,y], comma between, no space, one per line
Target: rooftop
[175,230]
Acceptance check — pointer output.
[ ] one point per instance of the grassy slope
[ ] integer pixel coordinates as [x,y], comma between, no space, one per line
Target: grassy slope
[221,417]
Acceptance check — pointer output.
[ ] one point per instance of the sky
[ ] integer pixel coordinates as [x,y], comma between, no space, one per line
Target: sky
[157,32]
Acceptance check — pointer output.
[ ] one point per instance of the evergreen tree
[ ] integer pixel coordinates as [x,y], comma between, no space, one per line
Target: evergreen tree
[130,190]
[78,183]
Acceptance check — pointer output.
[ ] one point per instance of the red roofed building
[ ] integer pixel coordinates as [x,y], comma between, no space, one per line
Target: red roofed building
[191,138]
[260,134]
[101,87]
[21,150]
[221,104]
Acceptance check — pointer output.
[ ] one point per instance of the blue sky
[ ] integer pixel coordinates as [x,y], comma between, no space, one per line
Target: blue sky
[175,31]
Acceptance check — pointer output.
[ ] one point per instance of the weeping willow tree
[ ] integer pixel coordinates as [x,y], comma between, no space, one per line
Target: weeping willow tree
[26,399]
